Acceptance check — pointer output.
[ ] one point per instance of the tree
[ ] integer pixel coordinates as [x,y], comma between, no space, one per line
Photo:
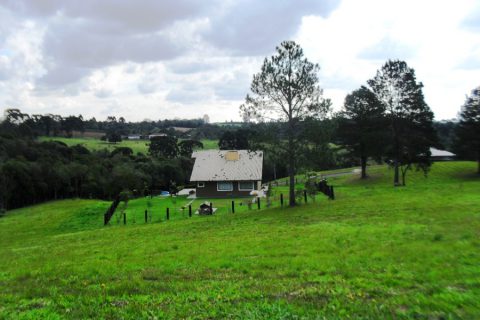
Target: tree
[410,118]
[186,147]
[234,140]
[114,137]
[286,89]
[467,142]
[15,116]
[163,147]
[361,125]
[71,123]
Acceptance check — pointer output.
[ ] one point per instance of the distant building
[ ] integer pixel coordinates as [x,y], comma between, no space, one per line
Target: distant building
[153,135]
[134,137]
[206,118]
[182,129]
[441,155]
[227,173]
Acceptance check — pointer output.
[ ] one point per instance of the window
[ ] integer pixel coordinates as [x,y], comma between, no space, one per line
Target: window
[224,186]
[200,184]
[246,186]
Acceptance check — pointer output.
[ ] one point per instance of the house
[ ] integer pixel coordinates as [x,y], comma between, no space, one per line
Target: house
[227,173]
[134,137]
[441,155]
[154,135]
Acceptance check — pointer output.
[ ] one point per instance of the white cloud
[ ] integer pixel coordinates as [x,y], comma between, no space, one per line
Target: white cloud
[184,58]
[357,38]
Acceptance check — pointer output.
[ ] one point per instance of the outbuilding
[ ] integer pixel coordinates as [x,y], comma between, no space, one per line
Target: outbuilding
[441,155]
[227,173]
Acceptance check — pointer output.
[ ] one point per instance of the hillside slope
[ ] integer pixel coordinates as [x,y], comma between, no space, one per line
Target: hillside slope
[375,252]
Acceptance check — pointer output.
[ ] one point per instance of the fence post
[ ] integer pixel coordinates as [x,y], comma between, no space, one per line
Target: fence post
[124,218]
[281,199]
[168,213]
[233,206]
[332,193]
[258,203]
[305,195]
[189,210]
[146,216]
[211,208]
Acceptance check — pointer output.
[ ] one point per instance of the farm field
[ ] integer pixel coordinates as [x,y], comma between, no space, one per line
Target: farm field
[97,144]
[375,252]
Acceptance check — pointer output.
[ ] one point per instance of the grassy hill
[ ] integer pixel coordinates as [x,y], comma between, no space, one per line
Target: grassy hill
[374,252]
[135,145]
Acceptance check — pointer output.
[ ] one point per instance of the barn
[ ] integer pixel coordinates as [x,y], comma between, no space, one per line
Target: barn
[227,173]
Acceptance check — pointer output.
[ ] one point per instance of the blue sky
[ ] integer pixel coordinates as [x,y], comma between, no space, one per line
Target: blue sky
[151,59]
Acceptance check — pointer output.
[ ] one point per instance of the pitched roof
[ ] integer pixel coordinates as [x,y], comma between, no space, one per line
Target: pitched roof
[441,153]
[212,165]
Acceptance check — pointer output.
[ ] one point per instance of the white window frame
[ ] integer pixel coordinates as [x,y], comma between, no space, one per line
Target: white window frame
[200,184]
[231,186]
[240,189]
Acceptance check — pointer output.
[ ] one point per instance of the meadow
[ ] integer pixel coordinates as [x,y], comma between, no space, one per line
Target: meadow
[136,145]
[376,252]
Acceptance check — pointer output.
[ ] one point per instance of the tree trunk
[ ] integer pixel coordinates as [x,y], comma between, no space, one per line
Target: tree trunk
[291,174]
[478,162]
[396,178]
[363,160]
[291,160]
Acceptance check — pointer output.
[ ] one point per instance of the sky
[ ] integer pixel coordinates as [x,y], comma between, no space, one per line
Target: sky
[150,59]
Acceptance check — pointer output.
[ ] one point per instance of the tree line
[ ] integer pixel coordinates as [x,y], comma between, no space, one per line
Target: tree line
[387,119]
[33,172]
[56,125]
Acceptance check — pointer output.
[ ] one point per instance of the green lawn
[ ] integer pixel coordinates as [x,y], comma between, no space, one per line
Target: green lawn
[375,252]
[135,145]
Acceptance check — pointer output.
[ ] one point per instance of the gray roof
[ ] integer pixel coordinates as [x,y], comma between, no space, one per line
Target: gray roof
[441,153]
[211,165]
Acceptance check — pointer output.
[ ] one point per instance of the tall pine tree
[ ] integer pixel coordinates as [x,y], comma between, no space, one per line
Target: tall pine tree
[286,90]
[410,118]
[467,142]
[361,125]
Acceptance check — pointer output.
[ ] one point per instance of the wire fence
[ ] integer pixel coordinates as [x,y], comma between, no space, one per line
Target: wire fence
[152,210]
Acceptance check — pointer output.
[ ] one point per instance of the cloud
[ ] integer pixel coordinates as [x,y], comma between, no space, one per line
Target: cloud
[252,27]
[83,36]
[187,57]
[386,49]
[472,21]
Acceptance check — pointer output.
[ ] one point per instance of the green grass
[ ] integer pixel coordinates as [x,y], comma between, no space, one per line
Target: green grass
[136,145]
[375,252]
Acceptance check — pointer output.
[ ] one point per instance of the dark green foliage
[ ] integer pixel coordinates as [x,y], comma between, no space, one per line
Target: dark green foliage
[446,134]
[467,143]
[410,118]
[186,147]
[235,140]
[33,172]
[163,147]
[361,125]
[113,137]
[71,123]
[124,151]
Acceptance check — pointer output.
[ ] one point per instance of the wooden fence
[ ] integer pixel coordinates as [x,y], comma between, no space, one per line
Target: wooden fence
[110,211]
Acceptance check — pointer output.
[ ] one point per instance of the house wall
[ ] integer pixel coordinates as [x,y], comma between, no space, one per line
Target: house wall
[210,191]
